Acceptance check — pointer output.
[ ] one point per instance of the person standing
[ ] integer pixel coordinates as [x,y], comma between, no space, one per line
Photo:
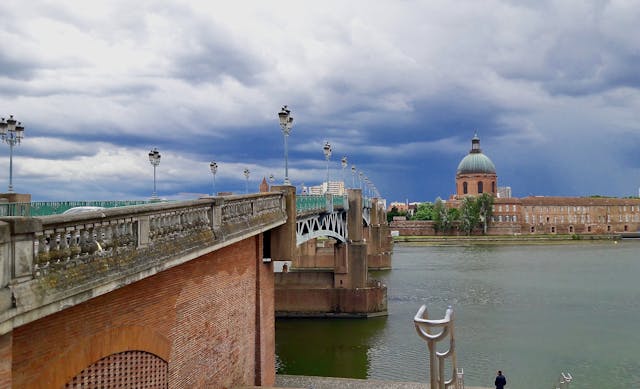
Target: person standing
[501,381]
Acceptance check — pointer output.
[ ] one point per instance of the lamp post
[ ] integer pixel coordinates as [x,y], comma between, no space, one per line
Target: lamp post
[353,174]
[154,159]
[12,133]
[214,169]
[246,176]
[286,122]
[327,154]
[366,186]
[343,162]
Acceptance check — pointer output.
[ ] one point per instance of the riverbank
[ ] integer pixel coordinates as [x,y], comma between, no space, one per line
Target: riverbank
[454,240]
[298,381]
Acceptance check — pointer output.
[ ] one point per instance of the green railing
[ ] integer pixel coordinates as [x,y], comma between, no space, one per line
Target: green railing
[309,203]
[45,208]
[318,203]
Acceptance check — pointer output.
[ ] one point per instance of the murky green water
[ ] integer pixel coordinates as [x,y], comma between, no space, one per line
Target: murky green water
[532,311]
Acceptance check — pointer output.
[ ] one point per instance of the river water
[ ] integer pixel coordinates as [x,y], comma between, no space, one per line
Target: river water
[531,311]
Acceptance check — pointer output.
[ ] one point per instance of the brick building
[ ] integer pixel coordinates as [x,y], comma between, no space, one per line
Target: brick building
[476,174]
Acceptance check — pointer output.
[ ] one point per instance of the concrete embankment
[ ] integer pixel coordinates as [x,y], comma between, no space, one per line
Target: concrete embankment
[502,239]
[296,381]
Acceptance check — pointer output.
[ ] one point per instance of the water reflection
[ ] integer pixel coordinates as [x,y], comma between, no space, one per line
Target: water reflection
[327,347]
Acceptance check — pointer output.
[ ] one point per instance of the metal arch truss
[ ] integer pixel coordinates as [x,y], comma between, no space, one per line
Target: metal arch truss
[332,225]
[366,216]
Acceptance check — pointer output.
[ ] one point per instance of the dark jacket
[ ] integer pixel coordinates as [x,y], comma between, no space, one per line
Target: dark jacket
[501,382]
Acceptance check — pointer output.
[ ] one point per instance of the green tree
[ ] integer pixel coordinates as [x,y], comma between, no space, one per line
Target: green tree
[443,217]
[484,203]
[394,212]
[424,212]
[469,215]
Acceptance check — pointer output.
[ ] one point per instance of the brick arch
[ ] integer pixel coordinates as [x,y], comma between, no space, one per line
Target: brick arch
[87,350]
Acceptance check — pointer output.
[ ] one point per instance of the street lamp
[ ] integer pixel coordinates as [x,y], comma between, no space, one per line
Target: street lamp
[154,159]
[344,165]
[246,184]
[360,181]
[286,122]
[12,133]
[353,174]
[214,169]
[327,154]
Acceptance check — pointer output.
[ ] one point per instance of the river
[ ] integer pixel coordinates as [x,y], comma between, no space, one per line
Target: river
[531,311]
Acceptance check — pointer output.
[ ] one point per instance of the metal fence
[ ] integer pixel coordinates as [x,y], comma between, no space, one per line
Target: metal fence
[46,208]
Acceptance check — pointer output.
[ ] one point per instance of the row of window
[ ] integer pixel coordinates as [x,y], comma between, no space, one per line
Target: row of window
[583,209]
[506,218]
[465,187]
[580,219]
[571,230]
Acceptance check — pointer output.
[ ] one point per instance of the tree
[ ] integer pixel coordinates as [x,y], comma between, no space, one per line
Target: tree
[484,203]
[424,212]
[469,215]
[439,215]
[443,217]
[394,212]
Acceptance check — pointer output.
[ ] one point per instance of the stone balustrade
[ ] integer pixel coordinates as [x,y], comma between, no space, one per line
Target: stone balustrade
[52,262]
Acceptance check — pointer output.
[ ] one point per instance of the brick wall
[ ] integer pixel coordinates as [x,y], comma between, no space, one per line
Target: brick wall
[211,319]
[5,360]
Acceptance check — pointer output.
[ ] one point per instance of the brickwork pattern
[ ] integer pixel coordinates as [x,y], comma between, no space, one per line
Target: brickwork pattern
[6,342]
[199,316]
[129,369]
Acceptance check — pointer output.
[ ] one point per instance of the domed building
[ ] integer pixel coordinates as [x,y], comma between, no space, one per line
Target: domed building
[476,173]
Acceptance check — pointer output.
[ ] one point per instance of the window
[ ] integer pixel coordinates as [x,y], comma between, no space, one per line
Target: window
[608,228]
[480,187]
[570,229]
[515,218]
[507,207]
[588,228]
[553,230]
[464,188]
[533,229]
[493,186]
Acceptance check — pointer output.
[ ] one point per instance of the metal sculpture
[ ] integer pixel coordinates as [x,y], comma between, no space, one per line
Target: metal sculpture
[426,328]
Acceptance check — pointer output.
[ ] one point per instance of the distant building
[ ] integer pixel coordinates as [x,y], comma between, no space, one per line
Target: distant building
[334,187]
[476,173]
[504,192]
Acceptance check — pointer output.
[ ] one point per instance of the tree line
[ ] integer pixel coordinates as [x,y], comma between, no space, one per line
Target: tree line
[474,212]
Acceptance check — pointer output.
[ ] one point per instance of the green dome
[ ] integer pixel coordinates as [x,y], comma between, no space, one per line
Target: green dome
[476,163]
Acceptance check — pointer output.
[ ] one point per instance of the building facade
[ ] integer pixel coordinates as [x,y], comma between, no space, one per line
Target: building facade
[476,174]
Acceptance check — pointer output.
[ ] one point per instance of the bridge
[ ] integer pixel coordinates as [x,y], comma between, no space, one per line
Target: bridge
[176,294]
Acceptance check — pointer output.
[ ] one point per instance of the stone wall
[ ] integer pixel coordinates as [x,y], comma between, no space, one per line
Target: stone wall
[413,227]
[211,319]
[325,302]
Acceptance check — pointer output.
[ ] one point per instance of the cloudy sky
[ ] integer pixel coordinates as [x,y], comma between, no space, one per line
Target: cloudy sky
[399,87]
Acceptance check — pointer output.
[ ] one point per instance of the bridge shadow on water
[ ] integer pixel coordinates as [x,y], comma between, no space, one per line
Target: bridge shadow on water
[327,347]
